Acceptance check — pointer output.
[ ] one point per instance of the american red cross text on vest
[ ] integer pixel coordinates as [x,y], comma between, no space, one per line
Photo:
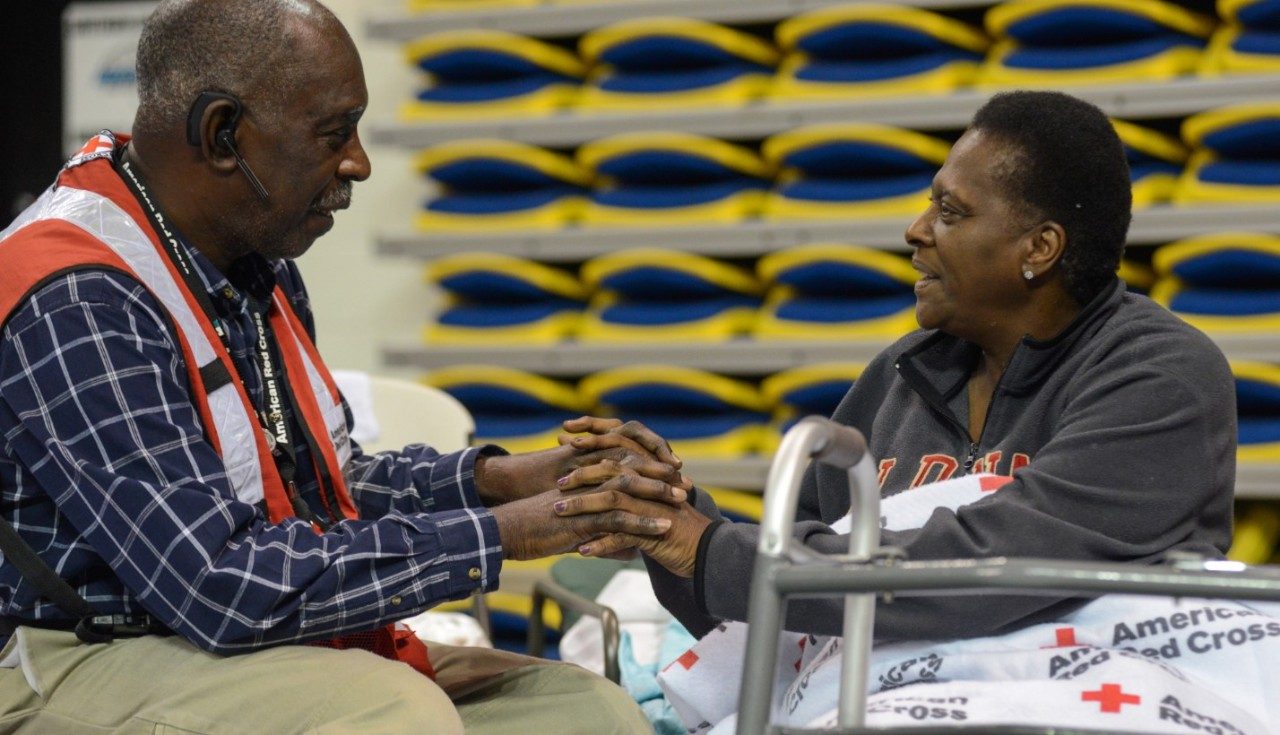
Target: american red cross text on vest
[1110,698]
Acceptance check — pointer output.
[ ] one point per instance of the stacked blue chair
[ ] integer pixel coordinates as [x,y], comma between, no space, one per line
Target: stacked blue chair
[1155,163]
[517,410]
[873,49]
[683,62]
[1136,276]
[1052,42]
[1226,282]
[1248,41]
[497,299]
[807,390]
[485,73]
[651,294]
[851,170]
[702,414]
[1236,158]
[436,6]
[832,292]
[665,178]
[1257,410]
[491,185]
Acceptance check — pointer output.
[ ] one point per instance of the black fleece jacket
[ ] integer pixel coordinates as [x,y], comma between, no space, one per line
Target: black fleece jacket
[1119,433]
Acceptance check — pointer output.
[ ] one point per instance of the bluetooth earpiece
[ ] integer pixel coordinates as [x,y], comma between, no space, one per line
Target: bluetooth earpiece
[225,136]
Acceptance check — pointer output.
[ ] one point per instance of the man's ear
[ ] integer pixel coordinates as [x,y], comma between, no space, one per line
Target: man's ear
[1044,247]
[211,126]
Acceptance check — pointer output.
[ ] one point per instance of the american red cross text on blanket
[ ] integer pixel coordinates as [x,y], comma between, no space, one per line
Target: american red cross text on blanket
[1121,662]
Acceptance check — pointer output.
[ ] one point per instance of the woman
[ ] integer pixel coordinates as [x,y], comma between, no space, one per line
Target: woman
[1115,419]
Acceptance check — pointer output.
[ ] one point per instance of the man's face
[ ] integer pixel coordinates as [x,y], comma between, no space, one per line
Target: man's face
[968,243]
[309,155]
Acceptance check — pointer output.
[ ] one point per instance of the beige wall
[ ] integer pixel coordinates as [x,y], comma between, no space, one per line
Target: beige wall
[362,300]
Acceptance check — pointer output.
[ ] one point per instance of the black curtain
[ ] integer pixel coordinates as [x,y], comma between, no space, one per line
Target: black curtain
[30,101]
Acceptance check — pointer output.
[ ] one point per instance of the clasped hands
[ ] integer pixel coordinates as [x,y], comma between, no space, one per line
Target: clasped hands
[608,489]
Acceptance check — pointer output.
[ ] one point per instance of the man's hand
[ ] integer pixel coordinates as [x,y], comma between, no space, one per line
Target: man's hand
[506,478]
[676,549]
[531,528]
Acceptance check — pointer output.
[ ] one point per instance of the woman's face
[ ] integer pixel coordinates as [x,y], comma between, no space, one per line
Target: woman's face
[970,243]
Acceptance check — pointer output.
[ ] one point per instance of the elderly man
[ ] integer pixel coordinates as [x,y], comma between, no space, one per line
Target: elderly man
[177,478]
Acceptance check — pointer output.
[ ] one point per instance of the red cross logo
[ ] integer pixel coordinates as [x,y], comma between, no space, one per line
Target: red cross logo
[1065,637]
[1110,697]
[687,659]
[992,483]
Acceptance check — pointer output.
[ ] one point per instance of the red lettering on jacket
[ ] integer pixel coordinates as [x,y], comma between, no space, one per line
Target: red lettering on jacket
[989,463]
[1019,460]
[886,466]
[946,465]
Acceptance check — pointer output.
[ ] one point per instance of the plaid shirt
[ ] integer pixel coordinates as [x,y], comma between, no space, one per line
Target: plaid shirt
[105,471]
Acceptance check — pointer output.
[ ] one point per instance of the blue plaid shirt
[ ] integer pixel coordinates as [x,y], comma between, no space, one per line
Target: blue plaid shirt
[106,472]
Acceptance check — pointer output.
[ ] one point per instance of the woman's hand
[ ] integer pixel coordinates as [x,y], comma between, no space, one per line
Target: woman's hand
[676,548]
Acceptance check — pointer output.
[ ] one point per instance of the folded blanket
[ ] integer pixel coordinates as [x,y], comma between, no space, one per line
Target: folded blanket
[1122,662]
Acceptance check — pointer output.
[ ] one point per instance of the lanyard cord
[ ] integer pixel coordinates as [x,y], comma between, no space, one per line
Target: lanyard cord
[274,419]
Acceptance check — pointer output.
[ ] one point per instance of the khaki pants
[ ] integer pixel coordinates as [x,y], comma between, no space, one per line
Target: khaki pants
[165,685]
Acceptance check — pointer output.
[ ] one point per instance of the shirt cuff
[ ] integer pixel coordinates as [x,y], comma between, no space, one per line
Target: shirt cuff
[700,565]
[453,479]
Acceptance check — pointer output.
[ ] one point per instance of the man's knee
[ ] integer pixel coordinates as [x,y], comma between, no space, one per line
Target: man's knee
[618,712]
[384,696]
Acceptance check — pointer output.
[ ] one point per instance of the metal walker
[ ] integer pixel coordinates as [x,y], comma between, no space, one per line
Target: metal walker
[784,567]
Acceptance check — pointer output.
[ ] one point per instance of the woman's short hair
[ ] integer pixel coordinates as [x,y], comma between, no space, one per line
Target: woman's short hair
[1069,166]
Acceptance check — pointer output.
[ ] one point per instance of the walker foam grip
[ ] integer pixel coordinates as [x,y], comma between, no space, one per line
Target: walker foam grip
[660,274]
[837,270]
[1244,260]
[495,277]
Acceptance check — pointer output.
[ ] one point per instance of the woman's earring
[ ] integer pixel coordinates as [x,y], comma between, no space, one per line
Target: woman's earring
[1027,274]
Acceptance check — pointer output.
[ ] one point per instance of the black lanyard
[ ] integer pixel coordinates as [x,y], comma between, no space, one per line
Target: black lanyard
[274,419]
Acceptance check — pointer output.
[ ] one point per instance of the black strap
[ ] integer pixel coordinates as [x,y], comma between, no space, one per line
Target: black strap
[37,572]
[215,375]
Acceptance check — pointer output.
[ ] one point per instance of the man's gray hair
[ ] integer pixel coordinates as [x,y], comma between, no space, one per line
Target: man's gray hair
[236,46]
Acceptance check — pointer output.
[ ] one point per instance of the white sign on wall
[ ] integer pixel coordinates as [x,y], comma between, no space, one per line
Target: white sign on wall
[99,43]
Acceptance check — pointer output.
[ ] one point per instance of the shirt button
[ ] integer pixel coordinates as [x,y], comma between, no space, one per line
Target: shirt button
[397,600]
[474,572]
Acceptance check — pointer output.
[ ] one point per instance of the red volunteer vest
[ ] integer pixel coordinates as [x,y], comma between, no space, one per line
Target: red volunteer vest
[89,219]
